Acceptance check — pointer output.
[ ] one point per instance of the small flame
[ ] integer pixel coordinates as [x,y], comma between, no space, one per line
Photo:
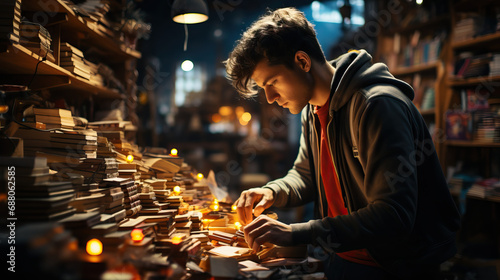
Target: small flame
[94,247]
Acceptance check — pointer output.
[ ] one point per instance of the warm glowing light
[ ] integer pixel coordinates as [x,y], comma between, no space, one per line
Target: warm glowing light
[234,207]
[216,118]
[225,111]
[242,122]
[4,109]
[237,225]
[216,201]
[177,189]
[199,176]
[130,158]
[216,207]
[239,111]
[94,247]
[137,235]
[190,18]
[419,2]
[187,65]
[176,240]
[173,152]
[246,116]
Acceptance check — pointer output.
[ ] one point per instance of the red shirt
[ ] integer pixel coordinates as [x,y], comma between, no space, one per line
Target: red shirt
[331,185]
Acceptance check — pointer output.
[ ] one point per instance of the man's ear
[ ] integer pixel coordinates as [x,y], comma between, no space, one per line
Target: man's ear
[303,61]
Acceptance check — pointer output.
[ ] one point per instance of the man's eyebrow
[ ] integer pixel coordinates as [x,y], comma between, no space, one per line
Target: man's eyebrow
[267,80]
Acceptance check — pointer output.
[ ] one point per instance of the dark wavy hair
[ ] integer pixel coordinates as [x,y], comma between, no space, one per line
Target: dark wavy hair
[276,36]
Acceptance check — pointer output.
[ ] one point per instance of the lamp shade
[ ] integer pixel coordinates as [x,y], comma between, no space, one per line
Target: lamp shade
[189,11]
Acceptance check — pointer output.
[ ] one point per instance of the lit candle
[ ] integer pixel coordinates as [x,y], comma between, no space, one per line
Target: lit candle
[173,152]
[234,207]
[177,190]
[130,158]
[94,247]
[137,235]
[199,176]
[237,225]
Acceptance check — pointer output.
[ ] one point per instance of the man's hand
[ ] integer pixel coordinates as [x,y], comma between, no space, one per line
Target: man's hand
[264,229]
[263,197]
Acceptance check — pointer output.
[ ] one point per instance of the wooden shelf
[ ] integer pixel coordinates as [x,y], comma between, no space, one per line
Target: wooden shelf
[492,40]
[474,144]
[402,71]
[22,61]
[460,82]
[76,24]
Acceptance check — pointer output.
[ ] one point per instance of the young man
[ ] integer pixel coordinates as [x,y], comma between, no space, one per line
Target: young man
[366,157]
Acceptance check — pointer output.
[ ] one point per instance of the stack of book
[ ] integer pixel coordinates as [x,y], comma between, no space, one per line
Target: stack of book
[10,21]
[128,170]
[36,38]
[115,197]
[51,117]
[495,65]
[486,126]
[466,28]
[79,223]
[73,60]
[196,224]
[150,206]
[113,200]
[88,203]
[131,201]
[105,148]
[485,188]
[183,222]
[37,198]
[469,65]
[114,131]
[95,8]
[93,169]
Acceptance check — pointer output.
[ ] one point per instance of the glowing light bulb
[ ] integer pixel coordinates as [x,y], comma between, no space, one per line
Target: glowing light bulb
[187,65]
[177,189]
[173,152]
[130,158]
[199,176]
[234,207]
[94,247]
[137,235]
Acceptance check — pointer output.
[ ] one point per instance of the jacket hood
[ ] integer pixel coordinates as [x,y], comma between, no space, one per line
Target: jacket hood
[354,71]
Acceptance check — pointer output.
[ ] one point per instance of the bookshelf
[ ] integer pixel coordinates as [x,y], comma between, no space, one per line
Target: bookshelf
[475,37]
[100,41]
[413,49]
[478,155]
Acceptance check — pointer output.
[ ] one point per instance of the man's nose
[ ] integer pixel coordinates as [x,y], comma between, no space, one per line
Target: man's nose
[271,95]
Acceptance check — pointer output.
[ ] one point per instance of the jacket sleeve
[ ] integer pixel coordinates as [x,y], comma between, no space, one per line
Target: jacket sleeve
[387,155]
[297,187]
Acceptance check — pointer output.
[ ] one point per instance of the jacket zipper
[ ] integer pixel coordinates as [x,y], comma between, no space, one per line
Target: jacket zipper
[344,196]
[318,180]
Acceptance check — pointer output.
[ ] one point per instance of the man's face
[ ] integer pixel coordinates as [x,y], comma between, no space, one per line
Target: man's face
[290,88]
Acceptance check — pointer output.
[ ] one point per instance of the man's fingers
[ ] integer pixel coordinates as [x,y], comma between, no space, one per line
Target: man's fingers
[254,230]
